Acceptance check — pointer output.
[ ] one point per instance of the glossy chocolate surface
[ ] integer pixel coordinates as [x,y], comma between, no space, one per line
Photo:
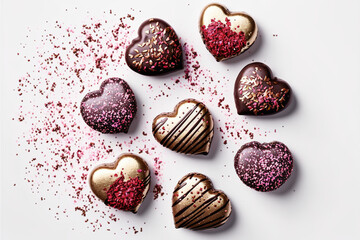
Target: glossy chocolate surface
[189,129]
[197,205]
[127,165]
[257,92]
[240,22]
[156,50]
[110,109]
[264,167]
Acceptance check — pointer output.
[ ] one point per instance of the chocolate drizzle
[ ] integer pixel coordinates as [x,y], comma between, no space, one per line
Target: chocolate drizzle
[196,205]
[188,130]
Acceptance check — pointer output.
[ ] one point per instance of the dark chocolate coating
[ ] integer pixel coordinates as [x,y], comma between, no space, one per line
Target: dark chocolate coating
[257,92]
[110,109]
[263,167]
[156,50]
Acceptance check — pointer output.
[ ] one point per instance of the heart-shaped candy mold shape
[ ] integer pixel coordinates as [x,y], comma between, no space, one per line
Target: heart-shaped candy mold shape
[122,184]
[189,129]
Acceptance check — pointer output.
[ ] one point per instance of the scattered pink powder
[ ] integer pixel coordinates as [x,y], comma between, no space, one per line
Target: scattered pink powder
[61,149]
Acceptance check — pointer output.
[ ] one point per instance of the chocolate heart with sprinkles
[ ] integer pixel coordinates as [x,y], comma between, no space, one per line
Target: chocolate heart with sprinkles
[110,109]
[156,50]
[189,129]
[197,205]
[257,92]
[264,167]
[226,34]
[123,184]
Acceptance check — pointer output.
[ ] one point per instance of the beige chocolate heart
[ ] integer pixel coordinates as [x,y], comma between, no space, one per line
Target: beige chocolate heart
[128,165]
[240,22]
[189,129]
[197,205]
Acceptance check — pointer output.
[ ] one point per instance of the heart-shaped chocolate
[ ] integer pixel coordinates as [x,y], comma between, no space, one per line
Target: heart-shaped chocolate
[226,34]
[189,129]
[122,184]
[110,109]
[156,50]
[257,92]
[264,167]
[197,205]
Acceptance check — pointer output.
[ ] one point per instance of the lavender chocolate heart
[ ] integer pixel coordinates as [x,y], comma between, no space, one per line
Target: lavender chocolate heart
[264,167]
[110,109]
[257,92]
[157,49]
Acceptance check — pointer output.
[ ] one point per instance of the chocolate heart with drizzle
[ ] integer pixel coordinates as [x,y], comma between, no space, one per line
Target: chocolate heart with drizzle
[257,92]
[110,109]
[197,205]
[122,184]
[226,34]
[156,50]
[189,129]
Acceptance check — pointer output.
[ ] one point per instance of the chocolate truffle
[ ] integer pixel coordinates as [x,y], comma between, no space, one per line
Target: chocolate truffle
[156,50]
[257,92]
[188,129]
[264,167]
[110,109]
[123,184]
[197,205]
[226,34]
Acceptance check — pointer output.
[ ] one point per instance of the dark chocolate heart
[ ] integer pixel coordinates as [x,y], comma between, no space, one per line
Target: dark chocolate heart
[110,109]
[123,184]
[189,129]
[257,92]
[197,205]
[156,50]
[264,167]
[226,34]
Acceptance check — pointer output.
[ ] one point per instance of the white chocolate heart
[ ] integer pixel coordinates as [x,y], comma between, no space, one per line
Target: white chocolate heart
[240,22]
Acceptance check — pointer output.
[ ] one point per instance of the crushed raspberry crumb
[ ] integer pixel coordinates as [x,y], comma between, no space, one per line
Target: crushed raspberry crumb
[125,195]
[221,40]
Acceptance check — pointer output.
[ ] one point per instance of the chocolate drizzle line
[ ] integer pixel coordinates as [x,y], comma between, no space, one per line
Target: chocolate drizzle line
[200,207]
[190,134]
[179,124]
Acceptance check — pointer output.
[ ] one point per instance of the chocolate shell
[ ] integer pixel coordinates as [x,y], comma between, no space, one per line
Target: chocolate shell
[110,109]
[226,34]
[264,167]
[128,166]
[197,205]
[257,92]
[189,129]
[157,49]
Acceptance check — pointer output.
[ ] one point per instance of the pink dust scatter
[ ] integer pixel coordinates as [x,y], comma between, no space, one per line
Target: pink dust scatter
[67,62]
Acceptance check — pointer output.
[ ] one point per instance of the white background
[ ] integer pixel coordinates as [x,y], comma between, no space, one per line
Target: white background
[317,51]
